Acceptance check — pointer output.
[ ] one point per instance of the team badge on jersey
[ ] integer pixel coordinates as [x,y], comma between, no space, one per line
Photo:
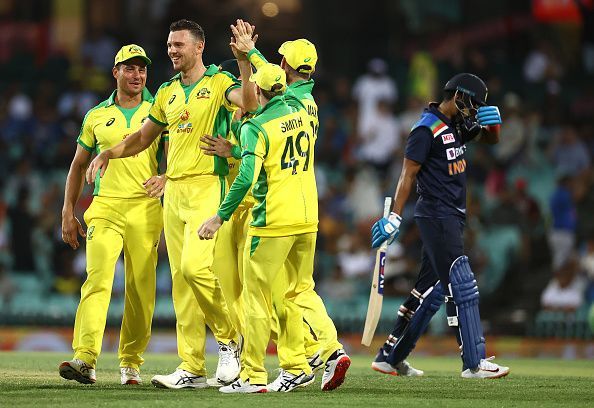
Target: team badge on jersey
[448,138]
[203,93]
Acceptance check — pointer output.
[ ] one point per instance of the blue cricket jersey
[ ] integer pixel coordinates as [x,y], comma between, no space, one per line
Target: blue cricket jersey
[439,147]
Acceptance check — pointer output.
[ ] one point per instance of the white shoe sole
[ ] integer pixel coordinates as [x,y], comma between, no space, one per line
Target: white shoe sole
[161,384]
[69,373]
[377,368]
[502,374]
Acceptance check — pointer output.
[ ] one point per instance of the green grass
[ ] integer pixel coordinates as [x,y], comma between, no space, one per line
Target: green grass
[31,379]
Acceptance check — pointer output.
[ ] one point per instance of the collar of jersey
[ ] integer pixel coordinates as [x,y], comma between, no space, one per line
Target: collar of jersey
[274,102]
[433,109]
[305,83]
[210,71]
[146,96]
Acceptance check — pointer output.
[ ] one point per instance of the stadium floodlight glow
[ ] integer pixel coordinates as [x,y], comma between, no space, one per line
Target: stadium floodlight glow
[270,9]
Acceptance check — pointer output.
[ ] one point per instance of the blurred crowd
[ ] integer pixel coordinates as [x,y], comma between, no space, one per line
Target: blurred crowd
[530,227]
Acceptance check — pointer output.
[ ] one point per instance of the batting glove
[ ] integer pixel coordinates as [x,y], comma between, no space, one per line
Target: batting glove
[386,228]
[488,115]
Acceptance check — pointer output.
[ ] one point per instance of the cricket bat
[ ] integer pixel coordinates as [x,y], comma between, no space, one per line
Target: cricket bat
[376,297]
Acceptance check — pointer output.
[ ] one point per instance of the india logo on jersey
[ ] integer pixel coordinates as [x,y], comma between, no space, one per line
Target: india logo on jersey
[203,93]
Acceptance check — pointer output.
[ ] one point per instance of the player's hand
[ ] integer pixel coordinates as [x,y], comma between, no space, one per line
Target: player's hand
[216,146]
[71,226]
[386,228]
[488,116]
[98,165]
[208,229]
[155,186]
[243,39]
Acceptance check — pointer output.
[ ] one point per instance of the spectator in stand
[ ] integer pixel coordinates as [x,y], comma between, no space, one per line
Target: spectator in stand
[513,131]
[569,153]
[375,85]
[563,210]
[22,223]
[587,11]
[380,139]
[565,292]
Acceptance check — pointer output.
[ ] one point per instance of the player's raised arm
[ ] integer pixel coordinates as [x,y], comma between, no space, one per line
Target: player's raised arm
[131,145]
[71,226]
[244,97]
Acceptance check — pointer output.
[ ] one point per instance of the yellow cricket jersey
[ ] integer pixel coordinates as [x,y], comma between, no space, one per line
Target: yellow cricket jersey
[190,112]
[105,126]
[277,160]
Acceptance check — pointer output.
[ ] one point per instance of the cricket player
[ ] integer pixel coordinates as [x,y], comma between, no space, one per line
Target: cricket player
[194,102]
[434,157]
[275,161]
[121,216]
[298,62]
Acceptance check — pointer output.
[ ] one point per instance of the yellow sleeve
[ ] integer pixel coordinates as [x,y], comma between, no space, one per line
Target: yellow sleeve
[228,82]
[86,137]
[256,58]
[157,113]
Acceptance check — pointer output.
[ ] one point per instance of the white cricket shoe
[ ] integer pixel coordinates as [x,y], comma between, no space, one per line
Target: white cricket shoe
[242,387]
[486,369]
[77,370]
[129,375]
[335,370]
[229,366]
[179,379]
[286,381]
[403,369]
[315,362]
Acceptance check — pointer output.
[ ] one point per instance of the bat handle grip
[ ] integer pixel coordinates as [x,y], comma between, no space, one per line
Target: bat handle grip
[387,206]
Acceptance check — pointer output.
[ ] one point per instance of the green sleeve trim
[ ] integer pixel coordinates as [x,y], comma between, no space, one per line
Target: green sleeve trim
[221,127]
[236,152]
[239,188]
[256,58]
[158,122]
[84,146]
[165,138]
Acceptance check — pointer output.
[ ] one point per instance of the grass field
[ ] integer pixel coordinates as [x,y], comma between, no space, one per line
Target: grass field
[31,379]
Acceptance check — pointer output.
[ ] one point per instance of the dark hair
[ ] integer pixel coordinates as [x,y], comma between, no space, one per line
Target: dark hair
[295,72]
[192,26]
[275,91]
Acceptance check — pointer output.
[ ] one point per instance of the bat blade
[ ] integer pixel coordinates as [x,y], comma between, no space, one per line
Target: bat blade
[376,296]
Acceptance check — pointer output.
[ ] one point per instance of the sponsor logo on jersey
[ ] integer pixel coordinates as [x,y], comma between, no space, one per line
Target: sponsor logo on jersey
[184,128]
[90,232]
[448,138]
[171,100]
[185,115]
[454,152]
[203,93]
[110,122]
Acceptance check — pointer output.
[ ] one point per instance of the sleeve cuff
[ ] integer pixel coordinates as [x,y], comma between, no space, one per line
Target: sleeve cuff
[84,146]
[236,152]
[223,216]
[158,122]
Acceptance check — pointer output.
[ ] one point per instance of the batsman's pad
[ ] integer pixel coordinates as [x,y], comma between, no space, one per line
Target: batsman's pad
[465,295]
[429,303]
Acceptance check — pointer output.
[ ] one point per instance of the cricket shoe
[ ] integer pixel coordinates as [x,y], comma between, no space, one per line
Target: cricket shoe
[335,370]
[77,370]
[243,387]
[315,362]
[130,376]
[286,381]
[486,369]
[179,379]
[403,368]
[229,366]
